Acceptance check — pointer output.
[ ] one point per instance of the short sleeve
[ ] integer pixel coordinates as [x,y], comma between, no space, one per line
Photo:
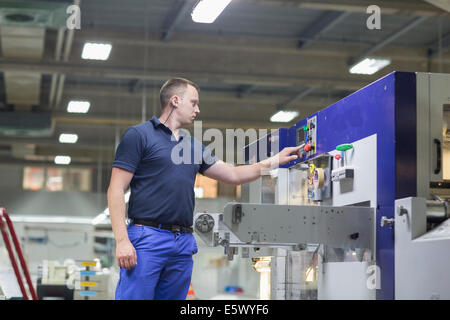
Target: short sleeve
[208,159]
[129,151]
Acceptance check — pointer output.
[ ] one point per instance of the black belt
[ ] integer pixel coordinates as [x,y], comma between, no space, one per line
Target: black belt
[171,227]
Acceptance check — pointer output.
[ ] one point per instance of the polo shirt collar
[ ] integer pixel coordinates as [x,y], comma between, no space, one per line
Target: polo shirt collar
[156,123]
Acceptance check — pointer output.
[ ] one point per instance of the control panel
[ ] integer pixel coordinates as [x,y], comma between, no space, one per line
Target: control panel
[308,135]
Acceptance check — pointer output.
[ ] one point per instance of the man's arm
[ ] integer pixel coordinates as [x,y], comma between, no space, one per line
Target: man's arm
[125,252]
[243,174]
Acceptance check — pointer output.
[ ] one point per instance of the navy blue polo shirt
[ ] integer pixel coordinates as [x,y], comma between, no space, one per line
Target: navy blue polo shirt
[162,187]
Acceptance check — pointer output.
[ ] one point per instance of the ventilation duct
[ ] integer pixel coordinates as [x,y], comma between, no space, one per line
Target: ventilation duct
[22,33]
[13,124]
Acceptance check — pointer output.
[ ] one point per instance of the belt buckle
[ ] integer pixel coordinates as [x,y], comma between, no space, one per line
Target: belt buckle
[176,229]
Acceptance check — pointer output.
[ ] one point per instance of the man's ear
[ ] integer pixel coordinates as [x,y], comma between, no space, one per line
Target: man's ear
[174,102]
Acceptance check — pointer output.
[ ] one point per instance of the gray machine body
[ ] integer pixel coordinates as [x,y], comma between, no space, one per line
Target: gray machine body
[422,258]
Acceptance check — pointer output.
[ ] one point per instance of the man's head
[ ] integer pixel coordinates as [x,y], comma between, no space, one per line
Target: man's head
[182,95]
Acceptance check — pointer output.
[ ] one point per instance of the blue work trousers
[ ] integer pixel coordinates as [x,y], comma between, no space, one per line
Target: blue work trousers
[164,265]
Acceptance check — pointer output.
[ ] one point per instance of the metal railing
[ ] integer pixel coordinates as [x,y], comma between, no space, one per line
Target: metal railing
[3,227]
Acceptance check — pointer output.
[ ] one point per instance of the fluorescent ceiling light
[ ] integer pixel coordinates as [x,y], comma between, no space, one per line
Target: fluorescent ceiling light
[78,106]
[68,138]
[62,160]
[96,51]
[283,116]
[206,11]
[369,66]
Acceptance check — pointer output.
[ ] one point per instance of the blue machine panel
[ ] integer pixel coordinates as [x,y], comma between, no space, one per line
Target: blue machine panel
[387,108]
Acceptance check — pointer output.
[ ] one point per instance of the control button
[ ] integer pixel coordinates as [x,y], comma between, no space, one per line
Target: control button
[307,147]
[337,157]
[344,147]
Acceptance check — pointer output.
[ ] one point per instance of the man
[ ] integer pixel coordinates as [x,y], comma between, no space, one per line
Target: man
[155,250]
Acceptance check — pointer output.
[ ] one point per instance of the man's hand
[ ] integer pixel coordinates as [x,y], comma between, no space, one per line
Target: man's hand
[126,254]
[284,156]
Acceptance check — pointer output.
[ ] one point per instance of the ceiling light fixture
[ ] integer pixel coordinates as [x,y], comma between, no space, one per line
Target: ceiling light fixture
[78,106]
[369,66]
[68,138]
[96,51]
[63,160]
[284,116]
[207,11]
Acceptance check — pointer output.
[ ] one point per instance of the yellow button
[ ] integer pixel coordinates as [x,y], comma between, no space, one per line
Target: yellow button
[89,284]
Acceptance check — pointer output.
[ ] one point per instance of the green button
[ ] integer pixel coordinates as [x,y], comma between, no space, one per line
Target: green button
[305,128]
[344,147]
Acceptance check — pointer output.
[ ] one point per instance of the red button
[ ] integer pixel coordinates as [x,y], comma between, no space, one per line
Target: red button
[307,147]
[337,157]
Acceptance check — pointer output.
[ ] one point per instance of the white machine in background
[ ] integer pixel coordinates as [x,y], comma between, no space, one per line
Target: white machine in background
[51,245]
[353,218]
[74,280]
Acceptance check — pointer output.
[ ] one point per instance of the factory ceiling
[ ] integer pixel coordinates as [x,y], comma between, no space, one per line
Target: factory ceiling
[258,57]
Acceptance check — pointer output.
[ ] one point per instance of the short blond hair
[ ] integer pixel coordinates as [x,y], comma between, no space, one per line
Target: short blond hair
[174,86]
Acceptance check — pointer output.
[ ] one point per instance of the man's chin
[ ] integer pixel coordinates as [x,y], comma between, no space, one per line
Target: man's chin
[188,122]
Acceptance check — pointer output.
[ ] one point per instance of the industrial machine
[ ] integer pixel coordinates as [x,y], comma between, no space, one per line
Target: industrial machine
[74,280]
[353,217]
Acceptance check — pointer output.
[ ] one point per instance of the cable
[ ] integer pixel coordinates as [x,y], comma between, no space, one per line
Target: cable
[169,115]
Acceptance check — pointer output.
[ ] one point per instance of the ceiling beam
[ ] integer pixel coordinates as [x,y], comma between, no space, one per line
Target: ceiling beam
[410,25]
[439,46]
[101,72]
[327,21]
[93,121]
[206,95]
[410,7]
[245,89]
[174,18]
[52,142]
[443,4]
[231,43]
[299,96]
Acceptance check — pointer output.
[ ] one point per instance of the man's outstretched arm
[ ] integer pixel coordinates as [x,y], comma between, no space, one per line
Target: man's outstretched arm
[246,173]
